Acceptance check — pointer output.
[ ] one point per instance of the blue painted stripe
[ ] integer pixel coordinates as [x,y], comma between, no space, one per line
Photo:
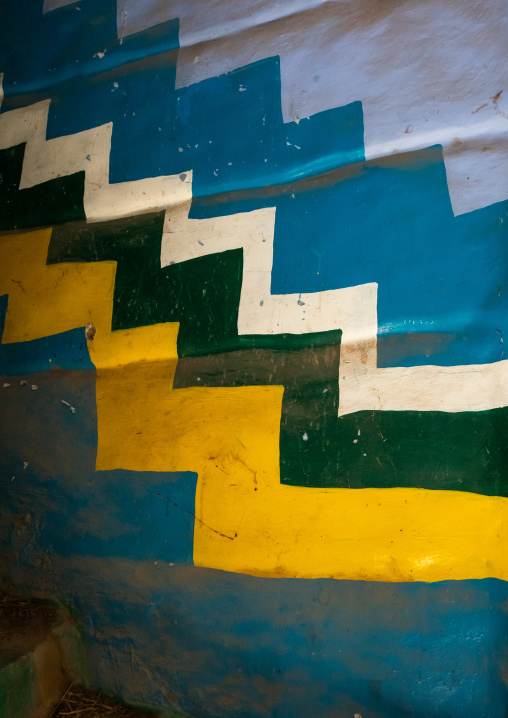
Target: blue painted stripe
[230,646]
[67,350]
[386,221]
[74,509]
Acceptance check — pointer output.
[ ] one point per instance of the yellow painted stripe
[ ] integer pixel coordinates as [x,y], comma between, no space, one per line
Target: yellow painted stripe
[249,523]
[46,300]
[246,520]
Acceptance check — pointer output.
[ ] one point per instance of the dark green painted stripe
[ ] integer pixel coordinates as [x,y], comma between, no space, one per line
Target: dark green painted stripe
[311,397]
[58,200]
[464,451]
[202,294]
[383,449]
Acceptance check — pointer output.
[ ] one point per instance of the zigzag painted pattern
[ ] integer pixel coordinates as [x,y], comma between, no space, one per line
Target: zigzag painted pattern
[353,309]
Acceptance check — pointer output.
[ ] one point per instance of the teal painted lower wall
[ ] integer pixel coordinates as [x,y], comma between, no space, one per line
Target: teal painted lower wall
[219,645]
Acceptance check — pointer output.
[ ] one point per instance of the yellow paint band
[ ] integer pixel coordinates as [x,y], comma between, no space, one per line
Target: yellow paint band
[49,299]
[46,300]
[246,520]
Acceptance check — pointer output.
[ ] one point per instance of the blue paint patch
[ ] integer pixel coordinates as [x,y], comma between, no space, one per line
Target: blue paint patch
[92,79]
[57,498]
[137,515]
[230,646]
[228,129]
[393,224]
[244,646]
[341,221]
[136,94]
[67,350]
[254,163]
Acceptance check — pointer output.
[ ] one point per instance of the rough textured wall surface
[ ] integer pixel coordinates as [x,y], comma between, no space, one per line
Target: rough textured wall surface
[274,483]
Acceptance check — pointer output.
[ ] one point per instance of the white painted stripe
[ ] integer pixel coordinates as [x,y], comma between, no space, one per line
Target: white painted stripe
[352,309]
[475,387]
[89,151]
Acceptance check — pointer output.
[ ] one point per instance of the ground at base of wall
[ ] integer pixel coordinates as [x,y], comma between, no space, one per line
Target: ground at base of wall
[40,655]
[42,669]
[82,703]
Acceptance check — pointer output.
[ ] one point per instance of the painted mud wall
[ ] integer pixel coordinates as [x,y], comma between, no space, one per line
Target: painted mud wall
[275,481]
